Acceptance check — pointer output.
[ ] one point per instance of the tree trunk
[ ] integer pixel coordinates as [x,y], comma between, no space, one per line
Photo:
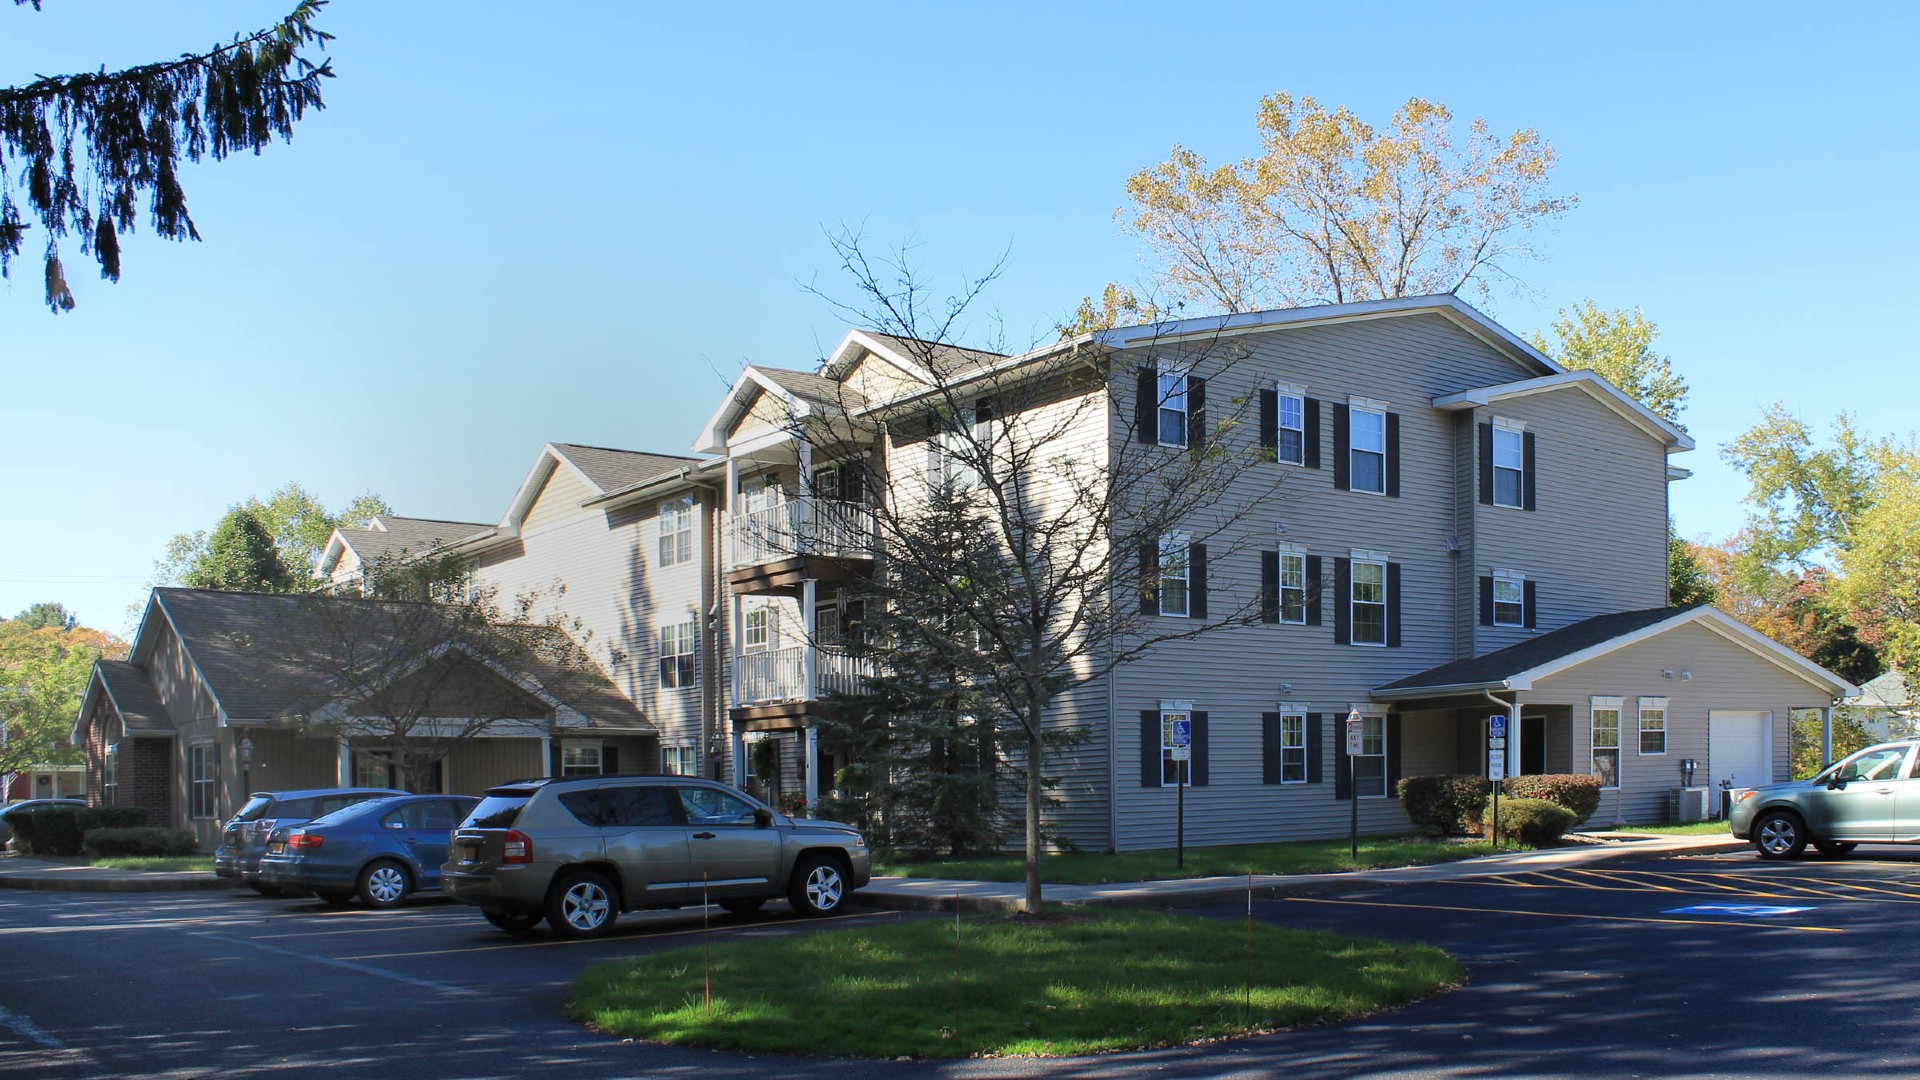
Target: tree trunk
[1034,761]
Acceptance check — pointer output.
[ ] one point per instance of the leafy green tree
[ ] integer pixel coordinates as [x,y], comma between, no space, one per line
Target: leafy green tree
[241,556]
[1807,498]
[297,521]
[43,672]
[1687,580]
[1617,345]
[43,615]
[1879,585]
[89,149]
[1333,209]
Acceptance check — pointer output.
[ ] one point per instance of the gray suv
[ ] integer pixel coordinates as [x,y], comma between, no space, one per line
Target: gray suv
[1868,797]
[577,851]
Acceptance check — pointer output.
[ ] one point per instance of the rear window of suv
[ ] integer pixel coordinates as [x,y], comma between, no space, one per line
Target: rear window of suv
[255,809]
[496,812]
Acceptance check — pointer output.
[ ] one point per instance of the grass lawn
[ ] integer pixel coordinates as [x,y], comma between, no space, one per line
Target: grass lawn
[135,862]
[1696,828]
[1061,984]
[1304,857]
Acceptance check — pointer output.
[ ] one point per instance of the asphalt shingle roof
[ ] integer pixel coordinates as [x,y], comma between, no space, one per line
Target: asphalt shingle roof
[411,535]
[138,703]
[611,469]
[944,360]
[1490,668]
[814,389]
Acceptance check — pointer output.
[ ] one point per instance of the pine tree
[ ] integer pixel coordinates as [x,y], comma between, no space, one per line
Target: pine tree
[240,555]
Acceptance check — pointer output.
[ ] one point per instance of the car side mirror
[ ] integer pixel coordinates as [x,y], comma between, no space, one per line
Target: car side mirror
[1839,779]
[762,818]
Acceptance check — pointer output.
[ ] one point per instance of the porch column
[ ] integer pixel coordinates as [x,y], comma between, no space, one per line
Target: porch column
[733,651]
[344,773]
[1513,737]
[546,753]
[813,766]
[739,761]
[809,614]
[1826,734]
[727,496]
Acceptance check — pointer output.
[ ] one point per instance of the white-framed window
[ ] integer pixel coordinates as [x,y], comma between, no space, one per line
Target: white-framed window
[1604,722]
[679,760]
[372,768]
[758,633]
[1176,575]
[760,493]
[676,531]
[203,779]
[1293,587]
[1367,449]
[110,776]
[1653,725]
[677,655]
[1509,463]
[580,759]
[1370,765]
[1173,408]
[1369,602]
[1509,598]
[1290,443]
[1293,747]
[1172,773]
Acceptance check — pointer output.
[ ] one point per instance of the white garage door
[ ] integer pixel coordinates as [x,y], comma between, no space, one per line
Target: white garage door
[1740,748]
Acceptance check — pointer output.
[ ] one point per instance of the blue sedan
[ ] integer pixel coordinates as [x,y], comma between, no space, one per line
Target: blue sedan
[381,850]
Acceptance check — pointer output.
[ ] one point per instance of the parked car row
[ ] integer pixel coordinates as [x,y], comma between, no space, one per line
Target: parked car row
[572,851]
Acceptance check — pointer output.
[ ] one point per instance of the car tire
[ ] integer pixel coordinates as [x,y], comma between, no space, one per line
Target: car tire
[518,922]
[384,884]
[819,886]
[582,904]
[1779,834]
[1833,849]
[742,907]
[335,898]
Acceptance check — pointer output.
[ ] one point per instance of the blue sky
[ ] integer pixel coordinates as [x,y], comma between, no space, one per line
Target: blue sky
[521,222]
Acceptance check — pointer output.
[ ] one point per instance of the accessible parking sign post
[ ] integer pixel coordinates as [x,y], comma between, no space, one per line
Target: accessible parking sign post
[1496,765]
[1180,744]
[1356,742]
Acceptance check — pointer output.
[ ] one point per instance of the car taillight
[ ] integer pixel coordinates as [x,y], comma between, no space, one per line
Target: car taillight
[263,826]
[302,841]
[516,848]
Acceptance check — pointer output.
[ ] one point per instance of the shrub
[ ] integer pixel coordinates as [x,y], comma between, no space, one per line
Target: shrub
[1575,791]
[110,817]
[1443,804]
[49,830]
[140,840]
[1531,821]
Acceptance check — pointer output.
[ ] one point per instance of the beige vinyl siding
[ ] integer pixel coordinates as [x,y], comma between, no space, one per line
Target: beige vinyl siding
[1235,673]
[1597,541]
[176,681]
[287,759]
[476,764]
[1726,675]
[877,380]
[1466,496]
[767,413]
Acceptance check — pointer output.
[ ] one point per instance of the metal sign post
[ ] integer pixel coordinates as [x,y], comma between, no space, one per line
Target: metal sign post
[1356,742]
[1181,743]
[1496,765]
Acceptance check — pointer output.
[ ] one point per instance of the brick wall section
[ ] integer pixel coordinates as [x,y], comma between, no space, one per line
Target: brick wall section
[146,769]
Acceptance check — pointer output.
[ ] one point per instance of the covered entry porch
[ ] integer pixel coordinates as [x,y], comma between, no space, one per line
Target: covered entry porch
[1450,736]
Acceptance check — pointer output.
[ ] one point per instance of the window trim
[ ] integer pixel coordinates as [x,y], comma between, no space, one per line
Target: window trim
[1300,714]
[1518,581]
[110,774]
[1355,408]
[689,755]
[675,546]
[1284,392]
[1183,543]
[1169,710]
[570,746]
[1656,706]
[685,639]
[1358,560]
[1596,706]
[764,614]
[205,754]
[1517,432]
[1300,556]
[1162,395]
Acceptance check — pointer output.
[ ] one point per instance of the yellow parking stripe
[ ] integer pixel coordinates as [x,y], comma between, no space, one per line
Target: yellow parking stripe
[1749,924]
[1605,875]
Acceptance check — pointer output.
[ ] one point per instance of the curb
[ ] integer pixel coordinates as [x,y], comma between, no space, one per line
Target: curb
[112,885]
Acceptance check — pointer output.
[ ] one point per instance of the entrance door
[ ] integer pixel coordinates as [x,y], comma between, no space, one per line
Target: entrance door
[1739,749]
[1533,745]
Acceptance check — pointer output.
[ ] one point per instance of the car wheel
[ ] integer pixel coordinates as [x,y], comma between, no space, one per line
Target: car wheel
[516,921]
[1834,848]
[742,907]
[1779,835]
[582,905]
[384,884]
[335,897]
[819,886]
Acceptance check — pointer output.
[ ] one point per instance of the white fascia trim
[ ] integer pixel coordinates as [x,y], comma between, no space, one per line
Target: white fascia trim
[1600,389]
[1714,619]
[713,437]
[659,485]
[1675,472]
[842,359]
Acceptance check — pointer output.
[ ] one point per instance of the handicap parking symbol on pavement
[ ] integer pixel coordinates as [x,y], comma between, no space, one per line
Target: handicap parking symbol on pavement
[1744,911]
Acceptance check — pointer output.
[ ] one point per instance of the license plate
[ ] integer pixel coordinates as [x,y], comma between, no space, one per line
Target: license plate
[276,848]
[463,854]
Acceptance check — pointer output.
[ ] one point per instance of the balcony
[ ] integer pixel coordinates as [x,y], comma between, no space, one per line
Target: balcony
[774,548]
[779,676]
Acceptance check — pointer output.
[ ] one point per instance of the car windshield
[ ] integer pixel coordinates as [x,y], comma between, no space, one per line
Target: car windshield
[1873,763]
[496,812]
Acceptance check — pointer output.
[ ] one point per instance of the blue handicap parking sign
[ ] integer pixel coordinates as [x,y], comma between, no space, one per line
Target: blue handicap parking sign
[1182,733]
[1744,911]
[1497,726]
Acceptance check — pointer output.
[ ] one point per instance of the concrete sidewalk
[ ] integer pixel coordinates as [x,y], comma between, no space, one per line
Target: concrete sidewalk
[934,894]
[46,875]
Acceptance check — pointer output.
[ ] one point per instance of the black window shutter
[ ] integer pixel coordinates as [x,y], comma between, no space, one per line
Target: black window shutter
[1313,747]
[609,759]
[1197,580]
[1270,586]
[1270,748]
[1146,407]
[1526,473]
[1486,601]
[1310,417]
[1486,464]
[1342,436]
[1150,576]
[1393,755]
[1197,414]
[1342,771]
[1150,748]
[1342,594]
[1393,455]
[1197,766]
[1393,605]
[1270,421]
[1530,601]
[1314,588]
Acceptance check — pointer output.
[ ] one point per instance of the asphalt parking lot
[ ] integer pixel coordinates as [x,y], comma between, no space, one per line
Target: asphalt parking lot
[1709,966]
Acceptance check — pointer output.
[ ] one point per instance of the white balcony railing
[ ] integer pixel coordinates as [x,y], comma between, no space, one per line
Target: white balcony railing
[802,526]
[781,674]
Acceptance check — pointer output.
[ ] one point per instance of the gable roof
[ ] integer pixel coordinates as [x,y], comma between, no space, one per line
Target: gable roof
[1518,667]
[132,697]
[1593,384]
[388,535]
[925,360]
[804,394]
[1888,691]
[601,468]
